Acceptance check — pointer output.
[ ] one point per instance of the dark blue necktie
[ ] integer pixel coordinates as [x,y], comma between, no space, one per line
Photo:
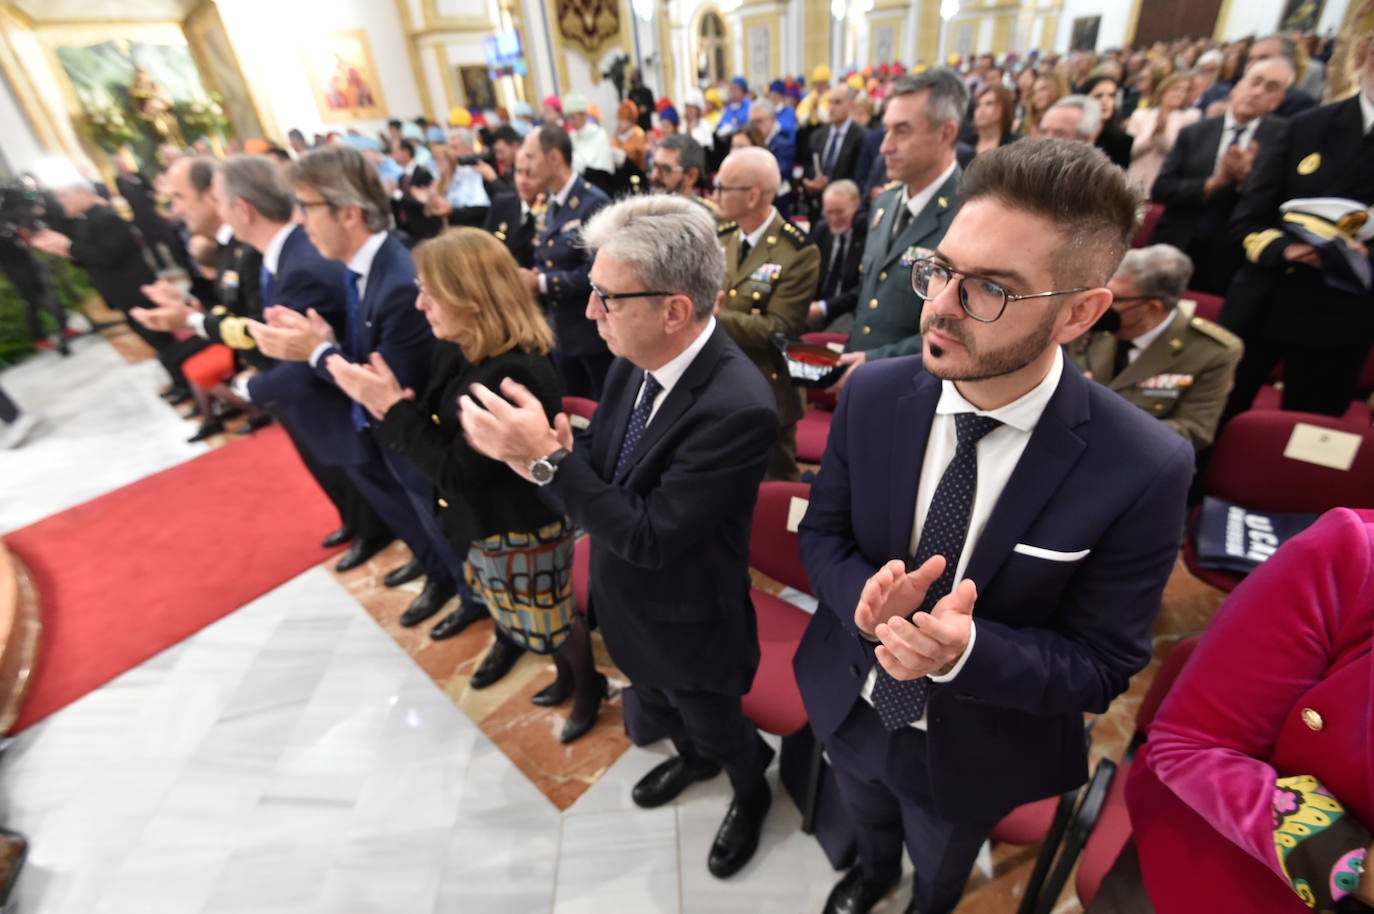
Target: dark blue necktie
[946,526]
[832,152]
[639,420]
[265,283]
[355,320]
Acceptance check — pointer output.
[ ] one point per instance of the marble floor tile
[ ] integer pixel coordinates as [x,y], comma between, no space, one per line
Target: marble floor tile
[618,862]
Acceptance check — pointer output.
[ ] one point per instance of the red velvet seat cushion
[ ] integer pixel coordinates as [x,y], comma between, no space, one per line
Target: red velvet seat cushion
[774,704]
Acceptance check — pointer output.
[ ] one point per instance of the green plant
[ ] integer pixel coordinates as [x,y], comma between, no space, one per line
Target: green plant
[73,288]
[204,116]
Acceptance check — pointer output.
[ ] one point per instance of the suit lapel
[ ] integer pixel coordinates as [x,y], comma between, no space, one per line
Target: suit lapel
[927,221]
[913,419]
[1053,449]
[565,211]
[674,404]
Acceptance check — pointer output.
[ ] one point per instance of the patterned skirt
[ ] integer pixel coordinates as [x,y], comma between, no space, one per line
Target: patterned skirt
[526,581]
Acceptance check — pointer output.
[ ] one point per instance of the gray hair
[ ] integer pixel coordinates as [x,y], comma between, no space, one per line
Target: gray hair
[948,99]
[344,177]
[1091,121]
[845,187]
[1282,61]
[667,241]
[256,180]
[764,105]
[1159,271]
[690,153]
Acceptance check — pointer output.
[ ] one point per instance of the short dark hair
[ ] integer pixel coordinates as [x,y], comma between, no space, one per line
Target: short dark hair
[948,99]
[393,124]
[1072,185]
[202,173]
[408,146]
[552,137]
[690,153]
[344,177]
[507,134]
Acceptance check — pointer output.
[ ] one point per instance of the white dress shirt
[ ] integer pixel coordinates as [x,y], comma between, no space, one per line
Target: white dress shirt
[669,373]
[999,452]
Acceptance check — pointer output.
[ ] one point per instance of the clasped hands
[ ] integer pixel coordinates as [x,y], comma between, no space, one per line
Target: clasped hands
[373,385]
[924,644]
[172,311]
[289,335]
[513,428]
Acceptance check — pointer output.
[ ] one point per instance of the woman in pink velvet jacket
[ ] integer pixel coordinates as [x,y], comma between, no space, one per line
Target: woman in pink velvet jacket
[1255,789]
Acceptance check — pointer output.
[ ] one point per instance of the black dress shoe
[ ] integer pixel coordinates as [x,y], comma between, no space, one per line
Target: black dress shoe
[224,411]
[338,537]
[206,430]
[359,552]
[856,895]
[429,602]
[738,836]
[553,694]
[575,726]
[458,620]
[192,413]
[405,574]
[176,394]
[262,420]
[667,780]
[497,663]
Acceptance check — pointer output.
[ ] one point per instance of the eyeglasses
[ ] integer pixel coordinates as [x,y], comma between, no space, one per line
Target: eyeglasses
[305,205]
[723,188]
[982,299]
[607,297]
[666,167]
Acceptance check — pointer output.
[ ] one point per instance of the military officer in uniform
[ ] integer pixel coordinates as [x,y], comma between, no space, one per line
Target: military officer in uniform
[770,274]
[513,218]
[1176,367]
[1280,303]
[561,266]
[910,217]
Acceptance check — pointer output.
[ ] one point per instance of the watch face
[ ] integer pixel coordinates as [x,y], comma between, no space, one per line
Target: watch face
[541,470]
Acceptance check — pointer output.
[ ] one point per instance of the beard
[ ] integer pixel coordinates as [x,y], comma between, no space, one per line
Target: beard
[989,363]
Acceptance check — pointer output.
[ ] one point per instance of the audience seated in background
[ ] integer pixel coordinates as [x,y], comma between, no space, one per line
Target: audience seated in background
[1176,367]
[1155,129]
[840,238]
[1255,790]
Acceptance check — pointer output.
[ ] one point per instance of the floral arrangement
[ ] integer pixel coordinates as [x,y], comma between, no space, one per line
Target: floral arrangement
[111,124]
[204,116]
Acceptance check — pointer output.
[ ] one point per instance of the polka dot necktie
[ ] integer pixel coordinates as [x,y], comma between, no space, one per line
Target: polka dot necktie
[639,420]
[900,703]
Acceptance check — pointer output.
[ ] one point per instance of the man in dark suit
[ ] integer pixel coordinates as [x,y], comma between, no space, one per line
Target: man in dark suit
[989,535]
[664,481]
[561,266]
[513,219]
[408,209]
[833,151]
[922,115]
[764,116]
[840,239]
[346,214]
[291,272]
[1201,179]
[1280,304]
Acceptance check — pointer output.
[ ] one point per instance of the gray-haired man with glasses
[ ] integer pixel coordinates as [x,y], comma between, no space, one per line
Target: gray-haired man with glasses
[664,480]
[990,532]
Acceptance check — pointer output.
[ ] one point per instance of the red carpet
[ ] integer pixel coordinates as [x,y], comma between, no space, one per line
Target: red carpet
[131,573]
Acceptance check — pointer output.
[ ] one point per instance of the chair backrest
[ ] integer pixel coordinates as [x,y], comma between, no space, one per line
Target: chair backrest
[579,410]
[1248,466]
[1365,386]
[1147,225]
[773,547]
[1205,304]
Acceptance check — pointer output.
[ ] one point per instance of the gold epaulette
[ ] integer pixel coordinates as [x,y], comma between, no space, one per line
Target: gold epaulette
[709,204]
[726,228]
[1257,242]
[1216,331]
[234,332]
[794,235]
[219,310]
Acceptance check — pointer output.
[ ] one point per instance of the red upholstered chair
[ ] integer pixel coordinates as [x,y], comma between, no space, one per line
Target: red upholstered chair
[1357,416]
[579,410]
[1206,304]
[814,428]
[1247,467]
[1100,826]
[1147,225]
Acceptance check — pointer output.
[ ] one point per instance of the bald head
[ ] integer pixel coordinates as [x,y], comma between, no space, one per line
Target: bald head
[749,180]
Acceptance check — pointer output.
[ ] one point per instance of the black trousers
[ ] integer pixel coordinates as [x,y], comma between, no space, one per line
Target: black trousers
[9,411]
[709,725]
[582,375]
[30,280]
[354,510]
[884,781]
[1315,380]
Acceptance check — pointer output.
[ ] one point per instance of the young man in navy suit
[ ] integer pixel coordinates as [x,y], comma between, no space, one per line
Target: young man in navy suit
[346,215]
[664,481]
[990,533]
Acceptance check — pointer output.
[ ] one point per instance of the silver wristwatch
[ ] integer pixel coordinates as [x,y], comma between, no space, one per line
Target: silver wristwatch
[542,469]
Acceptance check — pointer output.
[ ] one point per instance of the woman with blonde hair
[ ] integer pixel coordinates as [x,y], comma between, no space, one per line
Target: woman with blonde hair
[519,550]
[1155,129]
[1047,89]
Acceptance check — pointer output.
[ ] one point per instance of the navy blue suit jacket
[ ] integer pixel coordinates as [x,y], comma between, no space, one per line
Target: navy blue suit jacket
[315,408]
[669,581]
[558,254]
[1100,483]
[391,324]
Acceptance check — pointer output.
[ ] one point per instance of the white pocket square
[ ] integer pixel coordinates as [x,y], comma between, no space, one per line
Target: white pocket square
[1051,555]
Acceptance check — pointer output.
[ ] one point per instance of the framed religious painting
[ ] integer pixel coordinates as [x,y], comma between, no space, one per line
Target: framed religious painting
[343,78]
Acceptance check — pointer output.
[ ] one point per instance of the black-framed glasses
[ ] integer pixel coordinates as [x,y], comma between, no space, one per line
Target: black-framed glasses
[305,205]
[982,299]
[724,188]
[666,168]
[607,297]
